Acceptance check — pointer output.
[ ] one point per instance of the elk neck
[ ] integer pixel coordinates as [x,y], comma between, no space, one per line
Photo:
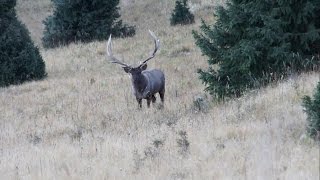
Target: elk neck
[139,82]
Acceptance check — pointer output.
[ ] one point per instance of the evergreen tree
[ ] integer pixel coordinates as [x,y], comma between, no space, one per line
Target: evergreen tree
[82,20]
[301,25]
[255,42]
[312,108]
[181,14]
[20,60]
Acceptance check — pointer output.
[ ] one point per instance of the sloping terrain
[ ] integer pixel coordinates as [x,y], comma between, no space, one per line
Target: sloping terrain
[82,121]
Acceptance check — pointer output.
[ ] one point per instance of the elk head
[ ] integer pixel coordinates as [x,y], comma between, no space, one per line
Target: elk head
[145,83]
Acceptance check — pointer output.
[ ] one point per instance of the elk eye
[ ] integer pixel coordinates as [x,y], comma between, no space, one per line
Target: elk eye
[126,69]
[144,67]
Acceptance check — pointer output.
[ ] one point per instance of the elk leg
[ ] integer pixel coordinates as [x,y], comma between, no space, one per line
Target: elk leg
[139,102]
[148,101]
[162,96]
[153,99]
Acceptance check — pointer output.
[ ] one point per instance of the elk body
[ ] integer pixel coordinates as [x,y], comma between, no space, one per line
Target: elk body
[145,83]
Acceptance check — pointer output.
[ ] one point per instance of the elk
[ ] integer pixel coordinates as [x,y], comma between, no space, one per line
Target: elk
[145,83]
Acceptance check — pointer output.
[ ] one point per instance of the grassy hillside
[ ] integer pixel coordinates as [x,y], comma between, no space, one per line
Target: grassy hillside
[82,122]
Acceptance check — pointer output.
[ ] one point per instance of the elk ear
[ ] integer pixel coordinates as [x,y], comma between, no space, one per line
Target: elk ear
[126,69]
[144,67]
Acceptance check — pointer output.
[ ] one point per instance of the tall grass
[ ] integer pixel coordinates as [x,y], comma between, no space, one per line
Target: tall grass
[82,122]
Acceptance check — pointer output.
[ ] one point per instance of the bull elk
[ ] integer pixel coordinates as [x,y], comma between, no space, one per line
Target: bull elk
[145,83]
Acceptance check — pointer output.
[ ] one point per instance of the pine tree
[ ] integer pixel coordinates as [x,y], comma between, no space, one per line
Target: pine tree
[256,42]
[181,14]
[82,20]
[301,25]
[312,108]
[20,60]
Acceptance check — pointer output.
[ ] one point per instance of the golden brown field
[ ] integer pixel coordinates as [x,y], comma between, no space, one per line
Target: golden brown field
[82,121]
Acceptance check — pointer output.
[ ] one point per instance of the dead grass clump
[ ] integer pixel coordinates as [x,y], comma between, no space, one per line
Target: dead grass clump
[201,103]
[90,127]
[183,143]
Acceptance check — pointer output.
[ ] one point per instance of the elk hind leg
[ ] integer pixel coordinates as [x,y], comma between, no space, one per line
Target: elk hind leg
[162,95]
[139,102]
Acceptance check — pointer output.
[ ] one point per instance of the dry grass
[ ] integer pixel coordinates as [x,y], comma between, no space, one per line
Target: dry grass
[82,122]
[32,13]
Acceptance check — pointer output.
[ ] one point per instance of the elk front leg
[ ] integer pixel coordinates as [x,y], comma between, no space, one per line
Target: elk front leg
[148,101]
[139,102]
[153,98]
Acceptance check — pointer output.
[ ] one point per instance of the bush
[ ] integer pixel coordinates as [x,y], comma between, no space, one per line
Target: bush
[256,42]
[181,14]
[82,20]
[20,60]
[312,108]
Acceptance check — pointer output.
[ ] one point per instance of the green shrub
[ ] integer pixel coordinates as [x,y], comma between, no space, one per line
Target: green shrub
[312,108]
[82,20]
[256,42]
[20,60]
[181,14]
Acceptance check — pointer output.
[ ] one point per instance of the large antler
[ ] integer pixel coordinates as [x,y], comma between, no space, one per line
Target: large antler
[110,55]
[156,47]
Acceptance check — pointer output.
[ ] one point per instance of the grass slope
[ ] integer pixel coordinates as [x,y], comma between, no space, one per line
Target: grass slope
[82,122]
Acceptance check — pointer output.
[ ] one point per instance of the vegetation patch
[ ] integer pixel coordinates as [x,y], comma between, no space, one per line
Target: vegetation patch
[257,42]
[20,60]
[181,14]
[84,21]
[312,108]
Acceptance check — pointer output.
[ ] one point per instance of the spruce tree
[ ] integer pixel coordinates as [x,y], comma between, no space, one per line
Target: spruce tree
[20,60]
[256,42]
[82,20]
[181,14]
[312,108]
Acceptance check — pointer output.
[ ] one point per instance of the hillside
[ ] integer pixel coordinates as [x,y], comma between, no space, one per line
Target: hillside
[82,121]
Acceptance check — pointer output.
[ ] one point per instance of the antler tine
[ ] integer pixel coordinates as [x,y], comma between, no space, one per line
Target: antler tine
[156,47]
[112,59]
